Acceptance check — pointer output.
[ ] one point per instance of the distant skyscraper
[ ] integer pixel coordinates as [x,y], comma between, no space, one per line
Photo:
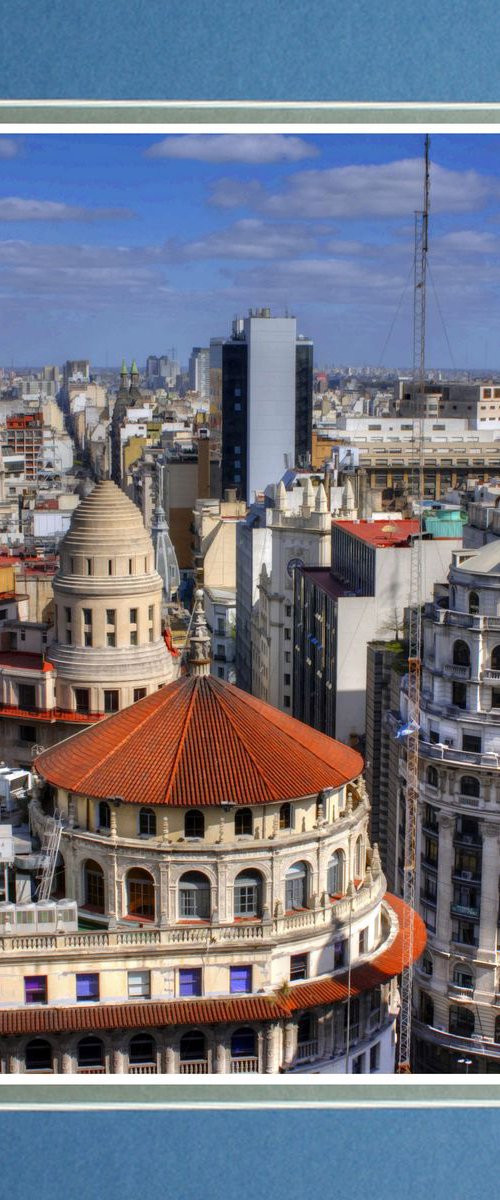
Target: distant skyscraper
[199,371]
[261,400]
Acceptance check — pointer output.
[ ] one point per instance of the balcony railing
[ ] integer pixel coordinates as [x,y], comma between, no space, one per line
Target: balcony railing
[455,671]
[490,676]
[307,1050]
[465,910]
[244,1066]
[143,1069]
[436,750]
[456,992]
[197,1066]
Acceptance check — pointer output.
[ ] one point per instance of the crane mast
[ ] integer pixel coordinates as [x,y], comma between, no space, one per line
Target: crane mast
[415,618]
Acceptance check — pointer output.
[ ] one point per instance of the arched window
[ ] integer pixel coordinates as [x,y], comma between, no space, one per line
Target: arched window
[461,1021]
[39,1055]
[462,976]
[473,603]
[359,859]
[142,1049]
[90,1052]
[194,825]
[296,886]
[495,658]
[286,816]
[93,886]
[193,1047]
[305,1031]
[248,894]
[243,1043]
[432,777]
[147,822]
[243,822]
[104,815]
[469,786]
[461,654]
[194,896]
[140,894]
[335,876]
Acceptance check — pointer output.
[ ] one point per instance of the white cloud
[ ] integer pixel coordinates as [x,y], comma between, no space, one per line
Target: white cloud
[235,148]
[9,148]
[360,191]
[253,239]
[17,208]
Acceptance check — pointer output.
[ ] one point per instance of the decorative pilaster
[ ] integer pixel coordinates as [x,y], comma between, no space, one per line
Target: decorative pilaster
[163,913]
[290,1044]
[444,885]
[272,1048]
[489,887]
[67,1058]
[220,1052]
[170,1060]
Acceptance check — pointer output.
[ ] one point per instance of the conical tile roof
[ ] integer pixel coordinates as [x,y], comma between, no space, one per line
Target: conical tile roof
[199,741]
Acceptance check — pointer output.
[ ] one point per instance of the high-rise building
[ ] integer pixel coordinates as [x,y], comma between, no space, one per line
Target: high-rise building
[261,400]
[199,371]
[458,840]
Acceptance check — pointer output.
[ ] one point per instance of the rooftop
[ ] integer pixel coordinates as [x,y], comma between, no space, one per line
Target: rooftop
[381,534]
[200,741]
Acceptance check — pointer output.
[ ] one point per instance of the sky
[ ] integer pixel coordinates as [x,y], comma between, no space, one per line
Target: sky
[123,244]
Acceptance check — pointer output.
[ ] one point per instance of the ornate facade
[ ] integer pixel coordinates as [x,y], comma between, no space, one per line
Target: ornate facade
[233,916]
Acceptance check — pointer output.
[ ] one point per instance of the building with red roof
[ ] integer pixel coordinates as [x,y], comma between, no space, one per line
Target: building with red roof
[233,916]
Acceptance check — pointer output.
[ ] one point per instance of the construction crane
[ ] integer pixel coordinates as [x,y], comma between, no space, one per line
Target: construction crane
[412,728]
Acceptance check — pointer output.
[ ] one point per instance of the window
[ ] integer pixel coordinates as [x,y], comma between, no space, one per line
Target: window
[305,1030]
[72,566]
[87,638]
[89,566]
[67,616]
[375,1057]
[189,981]
[296,887]
[39,1056]
[110,566]
[432,777]
[359,859]
[339,954]
[363,941]
[463,977]
[473,603]
[35,989]
[133,616]
[111,639]
[248,894]
[93,886]
[471,742]
[287,635]
[130,566]
[461,654]
[82,700]
[142,1049]
[286,680]
[27,695]
[459,695]
[90,1052]
[147,823]
[243,1043]
[139,694]
[3,614]
[193,1046]
[469,786]
[286,816]
[139,985]
[243,822]
[133,637]
[427,965]
[87,987]
[110,616]
[298,966]
[87,616]
[140,894]
[104,815]
[358,1064]
[194,825]
[27,733]
[495,697]
[240,979]
[194,896]
[461,1021]
[111,701]
[151,612]
[335,874]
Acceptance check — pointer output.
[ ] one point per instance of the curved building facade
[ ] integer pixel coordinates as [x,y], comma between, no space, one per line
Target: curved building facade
[233,915]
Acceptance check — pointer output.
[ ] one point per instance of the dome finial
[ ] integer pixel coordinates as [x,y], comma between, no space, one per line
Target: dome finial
[198,641]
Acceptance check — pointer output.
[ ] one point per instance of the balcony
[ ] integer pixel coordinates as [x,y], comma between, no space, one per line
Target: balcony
[143,1069]
[465,910]
[490,676]
[454,671]
[196,1066]
[437,750]
[244,1066]
[456,992]
[306,1051]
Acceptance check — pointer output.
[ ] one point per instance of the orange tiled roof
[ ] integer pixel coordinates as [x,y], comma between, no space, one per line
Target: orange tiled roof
[201,1011]
[200,742]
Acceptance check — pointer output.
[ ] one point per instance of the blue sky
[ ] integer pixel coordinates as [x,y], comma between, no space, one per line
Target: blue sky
[134,244]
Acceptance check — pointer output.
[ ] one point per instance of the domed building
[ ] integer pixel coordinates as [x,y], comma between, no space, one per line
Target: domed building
[107,650]
[233,917]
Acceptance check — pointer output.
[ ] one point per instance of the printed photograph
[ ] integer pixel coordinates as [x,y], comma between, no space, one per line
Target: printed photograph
[249,604]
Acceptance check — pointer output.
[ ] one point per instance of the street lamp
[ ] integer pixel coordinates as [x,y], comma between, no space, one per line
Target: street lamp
[465,1062]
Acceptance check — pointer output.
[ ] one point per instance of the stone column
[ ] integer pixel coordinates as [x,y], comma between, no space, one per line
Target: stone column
[290,1043]
[112,881]
[14,1061]
[220,1063]
[67,1058]
[118,1059]
[444,885]
[113,828]
[272,1048]
[329,1033]
[163,896]
[170,1060]
[320,1025]
[489,888]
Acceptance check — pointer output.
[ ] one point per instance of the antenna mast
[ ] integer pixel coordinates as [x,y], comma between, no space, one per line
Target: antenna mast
[412,730]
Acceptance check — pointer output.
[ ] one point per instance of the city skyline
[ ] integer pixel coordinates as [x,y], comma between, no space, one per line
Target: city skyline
[131,243]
